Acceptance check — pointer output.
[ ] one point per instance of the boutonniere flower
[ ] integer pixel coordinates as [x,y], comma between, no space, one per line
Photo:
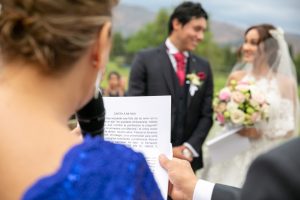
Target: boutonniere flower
[195,80]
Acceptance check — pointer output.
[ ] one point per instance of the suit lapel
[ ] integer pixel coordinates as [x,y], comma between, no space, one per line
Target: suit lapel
[167,69]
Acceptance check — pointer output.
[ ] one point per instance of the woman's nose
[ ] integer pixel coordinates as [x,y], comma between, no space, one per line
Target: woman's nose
[246,46]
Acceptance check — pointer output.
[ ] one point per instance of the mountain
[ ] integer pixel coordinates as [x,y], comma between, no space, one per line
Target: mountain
[294,41]
[228,34]
[129,19]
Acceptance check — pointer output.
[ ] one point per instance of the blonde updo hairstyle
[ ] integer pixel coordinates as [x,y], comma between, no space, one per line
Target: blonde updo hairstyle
[50,34]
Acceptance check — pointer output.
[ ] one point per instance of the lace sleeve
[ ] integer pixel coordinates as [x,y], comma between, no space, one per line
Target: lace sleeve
[281,120]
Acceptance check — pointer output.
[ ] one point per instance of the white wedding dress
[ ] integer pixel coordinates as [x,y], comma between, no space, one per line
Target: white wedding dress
[281,121]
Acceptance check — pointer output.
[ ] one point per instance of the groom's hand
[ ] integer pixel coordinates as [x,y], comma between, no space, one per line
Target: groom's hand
[181,176]
[178,153]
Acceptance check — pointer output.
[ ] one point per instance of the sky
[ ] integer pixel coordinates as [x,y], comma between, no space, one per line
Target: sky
[282,13]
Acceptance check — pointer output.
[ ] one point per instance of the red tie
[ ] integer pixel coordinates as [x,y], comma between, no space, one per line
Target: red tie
[180,59]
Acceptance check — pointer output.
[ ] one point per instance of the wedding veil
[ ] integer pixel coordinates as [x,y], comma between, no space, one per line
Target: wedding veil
[274,65]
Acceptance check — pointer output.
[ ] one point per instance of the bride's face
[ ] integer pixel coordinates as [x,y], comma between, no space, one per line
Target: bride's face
[250,46]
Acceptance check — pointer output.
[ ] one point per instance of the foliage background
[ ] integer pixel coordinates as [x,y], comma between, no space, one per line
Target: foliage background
[222,58]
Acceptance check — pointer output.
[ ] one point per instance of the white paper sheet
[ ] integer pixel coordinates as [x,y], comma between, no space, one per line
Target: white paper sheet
[227,145]
[144,124]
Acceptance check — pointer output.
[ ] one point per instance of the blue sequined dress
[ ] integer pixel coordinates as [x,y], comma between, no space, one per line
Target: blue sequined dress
[97,169]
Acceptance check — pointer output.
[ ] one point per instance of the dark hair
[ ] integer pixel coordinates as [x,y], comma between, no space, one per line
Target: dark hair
[114,73]
[263,31]
[270,45]
[185,12]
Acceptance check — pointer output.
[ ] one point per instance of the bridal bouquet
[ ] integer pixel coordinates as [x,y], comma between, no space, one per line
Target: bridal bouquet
[240,103]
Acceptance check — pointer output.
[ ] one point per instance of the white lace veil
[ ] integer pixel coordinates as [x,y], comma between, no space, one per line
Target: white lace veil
[273,62]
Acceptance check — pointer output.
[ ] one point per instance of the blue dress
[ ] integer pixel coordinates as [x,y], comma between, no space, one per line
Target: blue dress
[97,169]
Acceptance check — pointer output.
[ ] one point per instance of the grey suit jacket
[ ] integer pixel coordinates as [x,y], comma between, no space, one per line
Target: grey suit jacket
[272,176]
[152,74]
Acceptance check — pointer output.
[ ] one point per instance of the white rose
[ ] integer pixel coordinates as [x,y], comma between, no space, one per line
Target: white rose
[257,96]
[231,106]
[254,103]
[196,82]
[237,116]
[265,110]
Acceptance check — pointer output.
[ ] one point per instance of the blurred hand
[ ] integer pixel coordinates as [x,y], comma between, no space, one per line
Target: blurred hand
[252,133]
[178,153]
[181,176]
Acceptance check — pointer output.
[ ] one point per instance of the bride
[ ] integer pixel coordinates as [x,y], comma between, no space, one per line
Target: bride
[265,61]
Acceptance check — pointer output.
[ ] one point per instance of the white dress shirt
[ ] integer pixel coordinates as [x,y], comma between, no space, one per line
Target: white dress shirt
[171,51]
[203,190]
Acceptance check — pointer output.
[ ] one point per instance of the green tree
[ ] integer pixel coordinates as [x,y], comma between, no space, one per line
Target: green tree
[297,65]
[221,58]
[154,33]
[118,45]
[210,51]
[230,58]
[118,52]
[151,35]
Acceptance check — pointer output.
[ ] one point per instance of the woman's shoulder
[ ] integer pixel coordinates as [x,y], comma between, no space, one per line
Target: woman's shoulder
[237,75]
[287,81]
[96,169]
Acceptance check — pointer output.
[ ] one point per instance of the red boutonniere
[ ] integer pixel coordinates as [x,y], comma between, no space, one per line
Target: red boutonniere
[196,79]
[201,75]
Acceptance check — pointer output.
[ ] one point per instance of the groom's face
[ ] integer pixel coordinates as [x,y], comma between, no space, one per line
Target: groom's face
[191,34]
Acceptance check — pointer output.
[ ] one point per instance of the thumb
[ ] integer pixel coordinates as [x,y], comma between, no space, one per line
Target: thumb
[163,160]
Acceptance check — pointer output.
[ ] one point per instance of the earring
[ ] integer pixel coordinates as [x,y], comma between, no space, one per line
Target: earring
[98,79]
[95,63]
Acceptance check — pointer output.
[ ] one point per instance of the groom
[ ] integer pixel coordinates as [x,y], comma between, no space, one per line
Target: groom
[273,175]
[171,69]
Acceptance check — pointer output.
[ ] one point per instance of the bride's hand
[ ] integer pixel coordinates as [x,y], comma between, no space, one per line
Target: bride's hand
[178,153]
[252,133]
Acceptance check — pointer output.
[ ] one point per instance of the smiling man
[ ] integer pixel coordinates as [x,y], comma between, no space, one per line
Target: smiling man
[171,69]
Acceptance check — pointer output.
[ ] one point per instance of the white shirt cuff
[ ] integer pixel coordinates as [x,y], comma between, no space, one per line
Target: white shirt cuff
[203,190]
[195,154]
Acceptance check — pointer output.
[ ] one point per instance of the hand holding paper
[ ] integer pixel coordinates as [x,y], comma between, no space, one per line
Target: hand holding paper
[142,123]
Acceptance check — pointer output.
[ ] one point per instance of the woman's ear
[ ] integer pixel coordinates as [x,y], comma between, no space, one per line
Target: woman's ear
[102,48]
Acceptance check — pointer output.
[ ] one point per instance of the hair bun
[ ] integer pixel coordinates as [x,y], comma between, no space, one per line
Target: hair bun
[14,24]
[46,34]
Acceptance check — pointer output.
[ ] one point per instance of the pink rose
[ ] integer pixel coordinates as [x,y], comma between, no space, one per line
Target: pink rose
[238,97]
[220,118]
[258,97]
[225,94]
